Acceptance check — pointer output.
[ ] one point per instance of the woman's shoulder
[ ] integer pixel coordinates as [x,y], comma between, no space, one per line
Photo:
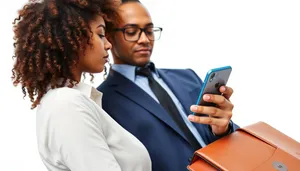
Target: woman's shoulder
[62,93]
[63,96]
[64,100]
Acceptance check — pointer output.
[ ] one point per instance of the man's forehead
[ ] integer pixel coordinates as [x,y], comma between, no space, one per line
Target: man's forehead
[134,13]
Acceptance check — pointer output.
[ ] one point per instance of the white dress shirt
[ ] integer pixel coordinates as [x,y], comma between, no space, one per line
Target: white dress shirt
[75,133]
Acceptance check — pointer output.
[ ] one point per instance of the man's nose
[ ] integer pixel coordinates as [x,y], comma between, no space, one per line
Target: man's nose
[143,38]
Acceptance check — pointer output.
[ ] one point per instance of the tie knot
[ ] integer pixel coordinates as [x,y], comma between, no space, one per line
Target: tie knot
[145,71]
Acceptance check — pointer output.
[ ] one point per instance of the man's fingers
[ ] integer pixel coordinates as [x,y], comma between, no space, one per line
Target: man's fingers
[212,111]
[219,122]
[227,91]
[219,100]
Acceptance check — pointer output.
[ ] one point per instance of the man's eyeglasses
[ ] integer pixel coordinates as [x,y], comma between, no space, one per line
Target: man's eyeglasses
[133,33]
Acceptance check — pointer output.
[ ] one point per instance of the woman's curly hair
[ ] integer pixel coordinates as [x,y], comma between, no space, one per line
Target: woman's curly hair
[49,35]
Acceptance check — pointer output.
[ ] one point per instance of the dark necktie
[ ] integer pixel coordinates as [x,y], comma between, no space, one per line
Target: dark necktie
[166,101]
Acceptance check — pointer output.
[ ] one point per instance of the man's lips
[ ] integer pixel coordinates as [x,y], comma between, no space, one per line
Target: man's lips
[144,50]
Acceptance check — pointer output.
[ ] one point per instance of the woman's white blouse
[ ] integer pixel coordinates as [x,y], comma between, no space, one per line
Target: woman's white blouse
[75,133]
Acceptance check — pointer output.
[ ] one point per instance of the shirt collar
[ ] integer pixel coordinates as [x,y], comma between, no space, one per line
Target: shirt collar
[129,70]
[89,91]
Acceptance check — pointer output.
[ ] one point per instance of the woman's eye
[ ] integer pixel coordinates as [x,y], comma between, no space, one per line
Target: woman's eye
[101,36]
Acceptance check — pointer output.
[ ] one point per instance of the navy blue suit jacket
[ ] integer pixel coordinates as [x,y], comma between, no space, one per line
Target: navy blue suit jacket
[142,116]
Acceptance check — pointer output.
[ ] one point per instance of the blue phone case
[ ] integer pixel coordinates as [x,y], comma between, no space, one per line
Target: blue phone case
[214,79]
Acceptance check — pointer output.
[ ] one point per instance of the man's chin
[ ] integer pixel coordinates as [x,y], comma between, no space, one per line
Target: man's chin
[142,61]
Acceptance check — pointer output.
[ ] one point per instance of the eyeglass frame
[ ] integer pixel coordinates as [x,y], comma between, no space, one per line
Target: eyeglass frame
[141,31]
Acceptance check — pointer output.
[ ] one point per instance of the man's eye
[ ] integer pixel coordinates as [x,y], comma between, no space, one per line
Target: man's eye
[130,31]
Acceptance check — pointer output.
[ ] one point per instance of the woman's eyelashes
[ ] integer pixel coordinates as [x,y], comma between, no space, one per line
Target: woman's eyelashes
[101,36]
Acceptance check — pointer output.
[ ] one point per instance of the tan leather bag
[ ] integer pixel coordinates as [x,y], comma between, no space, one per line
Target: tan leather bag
[258,147]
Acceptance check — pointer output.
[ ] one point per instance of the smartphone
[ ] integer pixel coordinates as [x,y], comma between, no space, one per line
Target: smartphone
[215,78]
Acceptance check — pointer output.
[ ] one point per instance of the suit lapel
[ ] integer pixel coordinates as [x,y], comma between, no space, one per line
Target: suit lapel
[186,95]
[182,93]
[134,93]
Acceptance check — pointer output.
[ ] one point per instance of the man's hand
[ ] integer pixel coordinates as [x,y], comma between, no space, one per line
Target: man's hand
[219,116]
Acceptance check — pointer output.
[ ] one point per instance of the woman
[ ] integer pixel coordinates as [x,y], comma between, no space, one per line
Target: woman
[55,42]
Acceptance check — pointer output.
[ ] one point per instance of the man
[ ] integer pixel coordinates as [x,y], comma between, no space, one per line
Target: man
[155,104]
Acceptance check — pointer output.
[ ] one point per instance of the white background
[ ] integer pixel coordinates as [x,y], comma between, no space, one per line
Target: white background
[260,39]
